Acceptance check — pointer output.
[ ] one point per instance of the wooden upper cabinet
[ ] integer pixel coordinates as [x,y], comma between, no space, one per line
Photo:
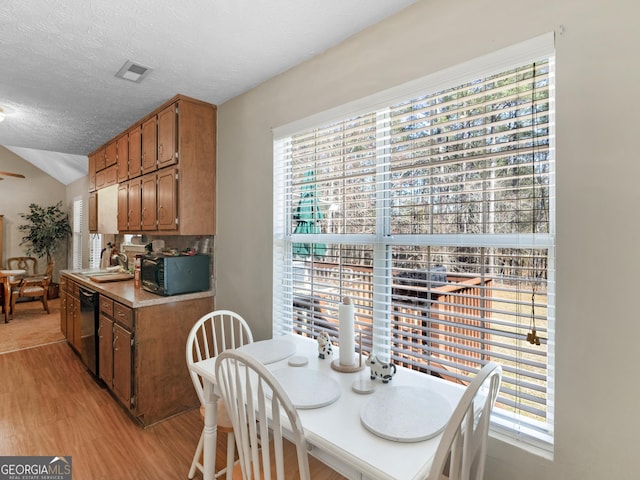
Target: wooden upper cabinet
[110,154]
[167,199]
[122,145]
[110,175]
[135,204]
[101,161]
[135,151]
[180,134]
[123,207]
[93,212]
[149,150]
[148,219]
[92,172]
[101,179]
[167,132]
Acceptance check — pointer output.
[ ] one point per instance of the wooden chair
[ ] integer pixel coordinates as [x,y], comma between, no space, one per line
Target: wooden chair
[462,450]
[35,286]
[211,335]
[260,409]
[32,284]
[29,264]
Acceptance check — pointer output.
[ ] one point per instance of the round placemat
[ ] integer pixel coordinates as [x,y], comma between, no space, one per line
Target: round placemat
[405,413]
[270,351]
[307,388]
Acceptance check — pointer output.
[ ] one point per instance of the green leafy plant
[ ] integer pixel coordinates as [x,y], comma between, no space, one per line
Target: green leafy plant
[47,227]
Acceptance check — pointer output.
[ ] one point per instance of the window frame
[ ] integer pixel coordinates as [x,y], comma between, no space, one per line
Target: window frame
[508,428]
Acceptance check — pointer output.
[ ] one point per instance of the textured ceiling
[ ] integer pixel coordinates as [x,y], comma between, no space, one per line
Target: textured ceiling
[59,59]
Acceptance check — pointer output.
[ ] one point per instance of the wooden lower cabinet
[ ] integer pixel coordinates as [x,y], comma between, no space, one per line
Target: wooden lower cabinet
[70,312]
[140,348]
[122,356]
[63,305]
[105,349]
[141,356]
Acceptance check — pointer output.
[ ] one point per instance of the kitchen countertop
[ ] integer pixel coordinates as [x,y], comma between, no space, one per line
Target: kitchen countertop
[125,293]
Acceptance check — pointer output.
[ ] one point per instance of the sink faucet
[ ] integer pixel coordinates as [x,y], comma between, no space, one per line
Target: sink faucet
[123,260]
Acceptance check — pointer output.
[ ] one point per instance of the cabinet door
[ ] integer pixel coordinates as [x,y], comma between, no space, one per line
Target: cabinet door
[122,347]
[100,160]
[92,172]
[63,310]
[111,175]
[110,154]
[149,150]
[135,204]
[105,349]
[149,209]
[123,158]
[123,207]
[75,322]
[135,151]
[167,199]
[93,212]
[167,133]
[101,179]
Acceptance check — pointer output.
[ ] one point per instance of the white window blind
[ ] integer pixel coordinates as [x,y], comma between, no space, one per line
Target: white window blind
[434,211]
[77,233]
[95,249]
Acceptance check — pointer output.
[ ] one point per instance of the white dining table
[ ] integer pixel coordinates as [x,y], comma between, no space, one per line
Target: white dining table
[336,430]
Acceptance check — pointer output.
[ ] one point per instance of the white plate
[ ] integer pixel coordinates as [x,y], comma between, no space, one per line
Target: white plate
[307,388]
[405,413]
[270,351]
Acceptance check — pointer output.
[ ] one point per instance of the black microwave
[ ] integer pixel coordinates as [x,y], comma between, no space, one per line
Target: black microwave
[173,275]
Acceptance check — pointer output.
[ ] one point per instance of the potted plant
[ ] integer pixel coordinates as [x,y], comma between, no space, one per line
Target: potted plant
[44,232]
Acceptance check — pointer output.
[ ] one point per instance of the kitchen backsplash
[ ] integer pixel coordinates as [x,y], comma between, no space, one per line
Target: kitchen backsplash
[202,244]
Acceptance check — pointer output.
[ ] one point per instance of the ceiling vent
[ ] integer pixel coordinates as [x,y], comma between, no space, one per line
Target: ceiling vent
[133,71]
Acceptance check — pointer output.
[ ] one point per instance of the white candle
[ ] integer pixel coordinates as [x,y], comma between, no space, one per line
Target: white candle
[346,333]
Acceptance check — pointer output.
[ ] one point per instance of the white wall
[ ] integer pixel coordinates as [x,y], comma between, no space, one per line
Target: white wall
[598,266]
[16,195]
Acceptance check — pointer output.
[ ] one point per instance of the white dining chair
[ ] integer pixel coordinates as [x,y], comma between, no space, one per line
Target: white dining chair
[462,450]
[260,409]
[211,335]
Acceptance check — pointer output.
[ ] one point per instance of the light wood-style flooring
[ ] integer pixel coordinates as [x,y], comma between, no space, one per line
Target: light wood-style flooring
[50,405]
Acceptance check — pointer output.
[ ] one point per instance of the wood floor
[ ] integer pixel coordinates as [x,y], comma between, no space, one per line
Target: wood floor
[50,405]
[31,326]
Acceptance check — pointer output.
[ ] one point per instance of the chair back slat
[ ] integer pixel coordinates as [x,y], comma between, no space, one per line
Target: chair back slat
[462,450]
[260,412]
[208,338]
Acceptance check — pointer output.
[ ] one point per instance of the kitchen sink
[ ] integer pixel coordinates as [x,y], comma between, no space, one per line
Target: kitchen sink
[96,272]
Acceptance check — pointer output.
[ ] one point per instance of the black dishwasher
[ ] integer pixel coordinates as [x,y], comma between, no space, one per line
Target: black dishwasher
[89,329]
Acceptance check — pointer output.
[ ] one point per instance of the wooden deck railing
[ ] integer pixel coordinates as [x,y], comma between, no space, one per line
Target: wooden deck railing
[447,329]
[436,329]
